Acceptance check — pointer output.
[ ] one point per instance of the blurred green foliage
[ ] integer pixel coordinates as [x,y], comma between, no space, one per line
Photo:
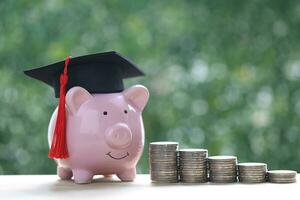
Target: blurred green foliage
[223,75]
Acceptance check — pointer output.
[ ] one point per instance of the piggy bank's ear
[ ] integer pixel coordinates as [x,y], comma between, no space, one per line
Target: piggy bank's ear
[137,95]
[75,97]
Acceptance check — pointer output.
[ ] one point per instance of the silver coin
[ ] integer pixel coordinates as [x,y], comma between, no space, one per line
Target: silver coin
[192,177]
[221,163]
[252,170]
[252,177]
[222,171]
[193,181]
[191,169]
[160,153]
[160,179]
[252,174]
[195,171]
[164,173]
[222,158]
[164,176]
[162,163]
[193,152]
[187,180]
[192,173]
[161,175]
[193,164]
[222,167]
[163,168]
[252,164]
[162,147]
[163,143]
[163,156]
[223,181]
[282,173]
[163,159]
[252,181]
[222,177]
[290,180]
[197,159]
[192,158]
[183,162]
[192,155]
[164,181]
[223,174]
[200,178]
[163,150]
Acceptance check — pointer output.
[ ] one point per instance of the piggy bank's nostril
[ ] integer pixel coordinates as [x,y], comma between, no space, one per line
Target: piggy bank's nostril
[118,136]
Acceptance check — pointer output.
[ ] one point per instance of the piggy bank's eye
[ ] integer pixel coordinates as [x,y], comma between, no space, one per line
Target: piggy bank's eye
[125,111]
[104,113]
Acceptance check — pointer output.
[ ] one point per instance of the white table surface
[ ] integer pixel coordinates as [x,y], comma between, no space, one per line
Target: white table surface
[50,187]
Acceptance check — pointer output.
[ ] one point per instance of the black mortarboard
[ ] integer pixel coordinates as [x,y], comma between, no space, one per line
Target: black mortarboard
[97,73]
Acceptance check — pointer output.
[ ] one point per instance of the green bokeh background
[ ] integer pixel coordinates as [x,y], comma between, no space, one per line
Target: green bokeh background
[223,75]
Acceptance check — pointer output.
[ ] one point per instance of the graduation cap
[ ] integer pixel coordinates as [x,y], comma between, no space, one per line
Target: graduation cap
[97,73]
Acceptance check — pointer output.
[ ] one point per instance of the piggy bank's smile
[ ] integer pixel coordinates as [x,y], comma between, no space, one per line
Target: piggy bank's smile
[117,158]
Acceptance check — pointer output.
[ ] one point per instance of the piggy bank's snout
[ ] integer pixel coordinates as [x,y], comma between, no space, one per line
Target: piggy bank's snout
[118,136]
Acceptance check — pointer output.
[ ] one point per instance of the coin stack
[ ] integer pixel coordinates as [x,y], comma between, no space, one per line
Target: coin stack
[163,161]
[222,169]
[252,172]
[282,176]
[192,165]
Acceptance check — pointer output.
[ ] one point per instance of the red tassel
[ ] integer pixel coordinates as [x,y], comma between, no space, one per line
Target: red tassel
[59,147]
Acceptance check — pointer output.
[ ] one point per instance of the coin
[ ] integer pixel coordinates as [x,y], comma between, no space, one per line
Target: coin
[163,161]
[192,165]
[222,169]
[252,172]
[282,176]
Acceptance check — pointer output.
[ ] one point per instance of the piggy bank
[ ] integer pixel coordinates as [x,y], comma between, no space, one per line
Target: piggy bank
[105,133]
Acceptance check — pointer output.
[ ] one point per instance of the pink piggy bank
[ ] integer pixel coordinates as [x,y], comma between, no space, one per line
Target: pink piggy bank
[105,133]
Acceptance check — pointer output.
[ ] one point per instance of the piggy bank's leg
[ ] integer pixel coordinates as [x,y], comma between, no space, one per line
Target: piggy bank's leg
[82,176]
[64,173]
[107,175]
[127,175]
